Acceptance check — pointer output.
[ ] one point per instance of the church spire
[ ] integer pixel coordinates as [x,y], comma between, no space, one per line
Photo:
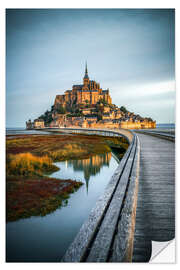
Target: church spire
[86,72]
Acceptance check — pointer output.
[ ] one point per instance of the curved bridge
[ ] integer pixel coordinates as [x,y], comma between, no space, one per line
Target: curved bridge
[137,207]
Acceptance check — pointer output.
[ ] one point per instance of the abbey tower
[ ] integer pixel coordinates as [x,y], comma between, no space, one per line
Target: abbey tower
[88,92]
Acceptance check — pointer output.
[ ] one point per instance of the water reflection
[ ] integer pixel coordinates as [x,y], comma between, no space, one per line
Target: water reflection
[46,239]
[84,169]
[90,166]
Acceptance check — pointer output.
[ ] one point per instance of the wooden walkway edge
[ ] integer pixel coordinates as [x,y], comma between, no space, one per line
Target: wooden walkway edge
[155,214]
[138,206]
[98,239]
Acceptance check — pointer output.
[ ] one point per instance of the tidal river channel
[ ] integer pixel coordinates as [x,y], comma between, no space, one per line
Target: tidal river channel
[46,239]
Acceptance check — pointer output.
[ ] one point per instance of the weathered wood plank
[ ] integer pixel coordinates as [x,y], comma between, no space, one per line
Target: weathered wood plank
[122,249]
[155,216]
[100,249]
[78,249]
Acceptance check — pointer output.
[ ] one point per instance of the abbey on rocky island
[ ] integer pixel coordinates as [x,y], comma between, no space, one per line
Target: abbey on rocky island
[87,93]
[87,105]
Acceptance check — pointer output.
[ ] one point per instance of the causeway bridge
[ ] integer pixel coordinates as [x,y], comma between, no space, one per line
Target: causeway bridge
[138,205]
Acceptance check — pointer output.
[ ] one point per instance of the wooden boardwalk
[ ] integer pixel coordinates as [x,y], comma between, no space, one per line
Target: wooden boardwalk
[117,230]
[155,213]
[107,235]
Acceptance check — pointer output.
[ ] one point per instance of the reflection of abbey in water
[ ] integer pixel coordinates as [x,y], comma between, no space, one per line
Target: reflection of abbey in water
[91,165]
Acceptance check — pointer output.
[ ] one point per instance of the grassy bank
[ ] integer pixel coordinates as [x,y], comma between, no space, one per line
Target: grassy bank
[36,196]
[63,147]
[26,164]
[29,157]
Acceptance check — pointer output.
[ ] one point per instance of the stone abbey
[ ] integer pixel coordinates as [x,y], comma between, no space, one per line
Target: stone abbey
[87,105]
[87,93]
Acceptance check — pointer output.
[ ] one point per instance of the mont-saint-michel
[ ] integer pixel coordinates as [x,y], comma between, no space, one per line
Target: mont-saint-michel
[87,105]
[91,177]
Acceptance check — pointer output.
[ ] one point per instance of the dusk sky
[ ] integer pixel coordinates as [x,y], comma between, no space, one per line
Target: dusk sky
[131,52]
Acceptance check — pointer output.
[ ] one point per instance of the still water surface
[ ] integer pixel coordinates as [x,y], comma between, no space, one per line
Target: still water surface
[45,239]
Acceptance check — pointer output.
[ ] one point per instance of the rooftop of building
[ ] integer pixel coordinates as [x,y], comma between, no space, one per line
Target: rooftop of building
[39,120]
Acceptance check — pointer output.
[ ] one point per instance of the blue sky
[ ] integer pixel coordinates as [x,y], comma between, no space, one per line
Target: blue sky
[129,51]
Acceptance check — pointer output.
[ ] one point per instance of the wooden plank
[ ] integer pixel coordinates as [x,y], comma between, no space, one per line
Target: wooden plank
[101,246]
[78,249]
[122,249]
[155,216]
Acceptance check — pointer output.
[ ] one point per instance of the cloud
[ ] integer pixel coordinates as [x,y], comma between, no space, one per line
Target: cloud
[144,90]
[156,100]
[131,51]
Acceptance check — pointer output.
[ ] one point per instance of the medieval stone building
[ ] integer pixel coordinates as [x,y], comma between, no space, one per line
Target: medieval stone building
[87,105]
[87,93]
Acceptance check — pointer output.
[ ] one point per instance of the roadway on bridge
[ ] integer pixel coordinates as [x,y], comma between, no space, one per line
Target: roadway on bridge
[155,215]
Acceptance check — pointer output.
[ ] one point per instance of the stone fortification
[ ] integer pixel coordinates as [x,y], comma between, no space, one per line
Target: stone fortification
[89,92]
[87,105]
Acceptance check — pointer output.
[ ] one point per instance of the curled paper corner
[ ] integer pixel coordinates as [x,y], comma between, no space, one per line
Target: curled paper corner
[163,252]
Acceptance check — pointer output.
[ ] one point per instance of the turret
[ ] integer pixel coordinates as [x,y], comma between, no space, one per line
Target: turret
[86,77]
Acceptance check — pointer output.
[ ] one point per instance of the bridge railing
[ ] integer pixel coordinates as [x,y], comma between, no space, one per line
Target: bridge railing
[160,134]
[104,132]
[108,233]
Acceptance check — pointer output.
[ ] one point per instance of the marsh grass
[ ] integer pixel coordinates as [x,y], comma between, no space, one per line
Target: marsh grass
[36,196]
[29,157]
[26,164]
[60,148]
